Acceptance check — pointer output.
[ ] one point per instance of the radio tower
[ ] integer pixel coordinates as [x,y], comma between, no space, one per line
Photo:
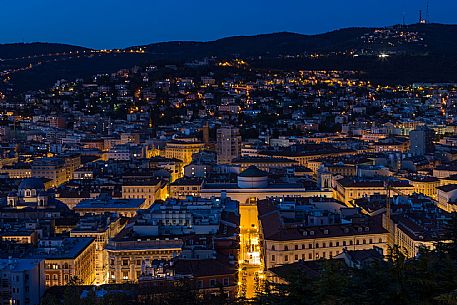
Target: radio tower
[426,13]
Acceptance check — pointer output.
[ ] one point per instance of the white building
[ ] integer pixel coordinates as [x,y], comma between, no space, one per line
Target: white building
[254,184]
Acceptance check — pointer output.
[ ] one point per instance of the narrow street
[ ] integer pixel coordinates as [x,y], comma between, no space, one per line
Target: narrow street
[250,261]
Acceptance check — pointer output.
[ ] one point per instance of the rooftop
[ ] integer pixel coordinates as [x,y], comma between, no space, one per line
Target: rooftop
[253,171]
[62,248]
[101,203]
[17,265]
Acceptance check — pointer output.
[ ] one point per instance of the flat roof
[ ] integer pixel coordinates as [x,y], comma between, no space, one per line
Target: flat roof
[68,248]
[97,203]
[19,264]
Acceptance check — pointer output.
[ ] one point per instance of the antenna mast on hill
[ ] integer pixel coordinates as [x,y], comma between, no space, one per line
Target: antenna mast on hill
[427,20]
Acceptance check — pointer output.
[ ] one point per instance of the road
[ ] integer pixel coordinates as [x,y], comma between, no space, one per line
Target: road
[250,261]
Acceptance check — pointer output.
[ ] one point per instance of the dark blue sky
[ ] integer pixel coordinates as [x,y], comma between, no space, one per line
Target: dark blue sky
[120,23]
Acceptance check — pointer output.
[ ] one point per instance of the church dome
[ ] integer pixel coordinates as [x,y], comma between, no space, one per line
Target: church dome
[31,184]
[253,171]
[253,178]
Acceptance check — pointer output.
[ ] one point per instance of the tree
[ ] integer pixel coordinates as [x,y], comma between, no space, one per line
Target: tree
[50,299]
[71,294]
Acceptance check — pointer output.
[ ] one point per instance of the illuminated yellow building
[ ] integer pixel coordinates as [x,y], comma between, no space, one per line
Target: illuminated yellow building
[323,242]
[127,256]
[59,170]
[182,150]
[184,187]
[348,189]
[150,191]
[425,185]
[17,171]
[304,157]
[102,228]
[72,163]
[447,197]
[263,163]
[341,169]
[67,258]
[173,166]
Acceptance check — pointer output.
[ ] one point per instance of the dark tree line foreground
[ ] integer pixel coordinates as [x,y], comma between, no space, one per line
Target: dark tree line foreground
[431,278]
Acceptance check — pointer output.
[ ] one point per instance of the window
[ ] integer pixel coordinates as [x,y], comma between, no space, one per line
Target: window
[337,244]
[212,283]
[364,241]
[324,245]
[286,248]
[310,246]
[310,256]
[296,257]
[226,281]
[273,247]
[125,275]
[125,262]
[296,247]
[286,258]
[273,258]
[351,242]
[330,244]
[380,240]
[317,245]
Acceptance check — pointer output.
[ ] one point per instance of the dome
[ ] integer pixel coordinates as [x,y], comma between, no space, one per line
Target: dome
[253,171]
[31,184]
[253,178]
[43,194]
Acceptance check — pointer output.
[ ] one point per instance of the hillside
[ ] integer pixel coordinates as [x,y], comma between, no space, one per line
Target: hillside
[434,38]
[417,52]
[18,50]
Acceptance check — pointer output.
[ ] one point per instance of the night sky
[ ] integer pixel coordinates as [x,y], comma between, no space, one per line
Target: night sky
[121,23]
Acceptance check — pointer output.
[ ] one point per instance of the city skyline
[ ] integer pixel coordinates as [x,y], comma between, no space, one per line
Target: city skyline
[117,24]
[310,157]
